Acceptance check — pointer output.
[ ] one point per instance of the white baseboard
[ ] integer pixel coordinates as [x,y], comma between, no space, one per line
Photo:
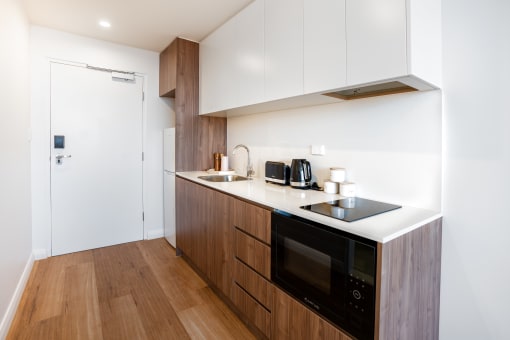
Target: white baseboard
[155,233]
[13,305]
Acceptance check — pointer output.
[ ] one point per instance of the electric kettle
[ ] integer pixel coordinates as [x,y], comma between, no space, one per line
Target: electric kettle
[300,174]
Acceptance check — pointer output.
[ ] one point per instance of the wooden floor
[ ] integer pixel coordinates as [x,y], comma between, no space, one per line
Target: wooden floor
[139,290]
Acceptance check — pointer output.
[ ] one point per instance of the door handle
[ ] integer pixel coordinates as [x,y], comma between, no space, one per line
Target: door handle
[58,158]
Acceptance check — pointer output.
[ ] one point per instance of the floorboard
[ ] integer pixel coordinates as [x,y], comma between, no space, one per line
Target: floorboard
[138,290]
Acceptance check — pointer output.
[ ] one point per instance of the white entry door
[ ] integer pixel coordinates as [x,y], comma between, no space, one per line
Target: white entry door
[96,131]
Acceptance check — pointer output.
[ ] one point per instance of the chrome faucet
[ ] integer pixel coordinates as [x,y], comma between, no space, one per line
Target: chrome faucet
[249,166]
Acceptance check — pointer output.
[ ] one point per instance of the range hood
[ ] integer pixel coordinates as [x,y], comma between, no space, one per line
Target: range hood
[372,91]
[392,86]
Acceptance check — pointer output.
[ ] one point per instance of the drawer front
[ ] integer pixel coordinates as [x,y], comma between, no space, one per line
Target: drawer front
[292,320]
[256,221]
[254,253]
[253,310]
[256,285]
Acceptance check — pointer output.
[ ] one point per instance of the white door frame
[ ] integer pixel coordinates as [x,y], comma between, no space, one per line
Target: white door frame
[144,134]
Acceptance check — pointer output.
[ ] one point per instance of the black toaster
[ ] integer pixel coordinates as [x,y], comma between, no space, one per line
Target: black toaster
[277,172]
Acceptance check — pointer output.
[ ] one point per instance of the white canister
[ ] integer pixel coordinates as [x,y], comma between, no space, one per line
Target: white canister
[330,187]
[337,175]
[224,163]
[348,189]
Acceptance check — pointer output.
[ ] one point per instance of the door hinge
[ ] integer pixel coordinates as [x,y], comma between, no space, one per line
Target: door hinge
[143,216]
[143,96]
[143,156]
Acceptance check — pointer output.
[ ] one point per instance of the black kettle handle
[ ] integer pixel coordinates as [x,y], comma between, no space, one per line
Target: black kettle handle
[308,171]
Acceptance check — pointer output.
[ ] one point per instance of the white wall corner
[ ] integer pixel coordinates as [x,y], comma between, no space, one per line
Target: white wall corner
[16,298]
[155,233]
[40,254]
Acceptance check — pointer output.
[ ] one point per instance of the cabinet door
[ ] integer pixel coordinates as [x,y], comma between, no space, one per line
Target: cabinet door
[232,62]
[191,221]
[219,241]
[200,203]
[183,220]
[376,40]
[217,71]
[205,231]
[324,45]
[167,71]
[249,45]
[283,48]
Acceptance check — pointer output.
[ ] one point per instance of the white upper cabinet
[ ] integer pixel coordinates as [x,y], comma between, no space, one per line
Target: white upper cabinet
[393,38]
[324,45]
[283,48]
[217,57]
[249,25]
[376,40]
[232,62]
[280,54]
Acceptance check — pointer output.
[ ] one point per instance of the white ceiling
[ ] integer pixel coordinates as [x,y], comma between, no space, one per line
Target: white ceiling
[147,24]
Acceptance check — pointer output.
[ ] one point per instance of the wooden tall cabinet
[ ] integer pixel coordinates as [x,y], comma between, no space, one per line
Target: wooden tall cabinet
[196,137]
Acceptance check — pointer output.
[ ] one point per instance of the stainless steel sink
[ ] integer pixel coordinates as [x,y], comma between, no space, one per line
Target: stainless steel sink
[224,178]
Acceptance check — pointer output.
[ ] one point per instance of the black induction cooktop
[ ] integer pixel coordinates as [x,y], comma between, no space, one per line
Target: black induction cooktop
[351,209]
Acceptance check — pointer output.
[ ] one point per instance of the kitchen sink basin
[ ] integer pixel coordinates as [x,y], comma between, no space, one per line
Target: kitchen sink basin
[224,178]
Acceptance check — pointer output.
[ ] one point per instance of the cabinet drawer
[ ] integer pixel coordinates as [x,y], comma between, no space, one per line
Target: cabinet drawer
[256,285]
[254,220]
[292,320]
[254,253]
[254,311]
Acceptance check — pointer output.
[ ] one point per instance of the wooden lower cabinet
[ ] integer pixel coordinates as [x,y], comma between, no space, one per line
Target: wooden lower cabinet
[204,231]
[292,320]
[228,240]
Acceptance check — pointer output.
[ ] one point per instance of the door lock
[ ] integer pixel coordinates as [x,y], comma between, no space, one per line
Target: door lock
[58,158]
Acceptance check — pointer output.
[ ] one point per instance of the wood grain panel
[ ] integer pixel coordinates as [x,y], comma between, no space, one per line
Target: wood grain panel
[410,276]
[254,253]
[292,320]
[255,220]
[201,216]
[219,241]
[183,215]
[212,138]
[254,311]
[256,285]
[186,105]
[196,137]
[167,70]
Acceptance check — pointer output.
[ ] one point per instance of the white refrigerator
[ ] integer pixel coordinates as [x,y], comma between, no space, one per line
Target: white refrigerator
[169,184]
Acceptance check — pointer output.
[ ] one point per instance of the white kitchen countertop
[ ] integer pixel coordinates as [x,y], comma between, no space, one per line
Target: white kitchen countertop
[381,228]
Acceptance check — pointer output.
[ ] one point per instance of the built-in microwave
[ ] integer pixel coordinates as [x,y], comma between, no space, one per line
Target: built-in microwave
[330,271]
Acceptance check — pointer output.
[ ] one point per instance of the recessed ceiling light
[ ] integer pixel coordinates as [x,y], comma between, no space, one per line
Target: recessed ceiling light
[105,24]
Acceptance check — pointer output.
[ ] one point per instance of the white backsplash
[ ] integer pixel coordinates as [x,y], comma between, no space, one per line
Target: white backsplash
[390,146]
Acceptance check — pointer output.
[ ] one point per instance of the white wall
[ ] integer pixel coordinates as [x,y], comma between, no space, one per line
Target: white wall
[15,229]
[390,146]
[475,280]
[46,43]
